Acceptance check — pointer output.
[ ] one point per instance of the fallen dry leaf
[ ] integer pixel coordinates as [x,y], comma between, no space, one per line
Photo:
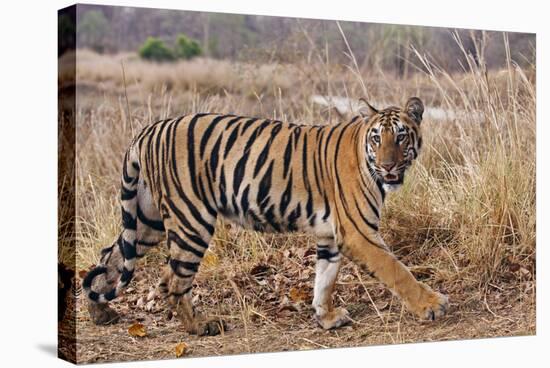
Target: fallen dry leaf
[298,294]
[137,330]
[181,349]
[210,259]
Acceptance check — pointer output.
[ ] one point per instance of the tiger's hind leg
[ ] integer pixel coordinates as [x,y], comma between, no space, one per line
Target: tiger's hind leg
[111,260]
[326,272]
[149,232]
[187,244]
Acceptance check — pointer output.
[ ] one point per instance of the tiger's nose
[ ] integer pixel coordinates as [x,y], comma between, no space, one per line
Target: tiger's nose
[388,166]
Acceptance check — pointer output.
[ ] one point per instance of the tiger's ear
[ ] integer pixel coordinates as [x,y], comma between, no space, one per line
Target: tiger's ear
[367,110]
[414,108]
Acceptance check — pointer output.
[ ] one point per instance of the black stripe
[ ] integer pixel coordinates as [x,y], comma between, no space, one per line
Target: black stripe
[262,158]
[312,220]
[235,205]
[170,157]
[196,239]
[168,131]
[205,199]
[231,141]
[264,187]
[185,291]
[188,266]
[208,132]
[380,188]
[297,133]
[326,254]
[293,216]
[191,152]
[172,236]
[146,243]
[164,169]
[90,276]
[316,173]
[247,124]
[195,213]
[270,218]
[327,144]
[258,223]
[244,200]
[153,147]
[127,178]
[127,249]
[238,174]
[107,250]
[210,184]
[127,194]
[110,295]
[370,224]
[223,188]
[214,157]
[287,158]
[327,208]
[255,134]
[233,121]
[307,185]
[126,276]
[286,196]
[372,206]
[156,225]
[128,222]
[180,215]
[319,148]
[368,187]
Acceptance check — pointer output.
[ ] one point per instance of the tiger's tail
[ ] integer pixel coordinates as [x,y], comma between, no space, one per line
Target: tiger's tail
[126,242]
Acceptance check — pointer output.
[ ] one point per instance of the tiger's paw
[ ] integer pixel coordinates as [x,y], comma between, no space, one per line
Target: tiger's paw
[338,317]
[433,305]
[102,314]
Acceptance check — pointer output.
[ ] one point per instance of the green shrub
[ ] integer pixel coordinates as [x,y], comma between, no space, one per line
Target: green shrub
[155,50]
[186,48]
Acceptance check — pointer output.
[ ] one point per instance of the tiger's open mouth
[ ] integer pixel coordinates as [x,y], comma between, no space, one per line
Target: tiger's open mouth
[390,177]
[393,179]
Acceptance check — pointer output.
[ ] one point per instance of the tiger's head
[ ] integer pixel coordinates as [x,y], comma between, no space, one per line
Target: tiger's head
[393,140]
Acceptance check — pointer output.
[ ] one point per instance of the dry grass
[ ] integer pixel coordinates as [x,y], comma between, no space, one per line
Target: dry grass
[464,220]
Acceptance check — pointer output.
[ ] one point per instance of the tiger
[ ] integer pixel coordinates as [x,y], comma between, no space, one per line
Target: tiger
[179,175]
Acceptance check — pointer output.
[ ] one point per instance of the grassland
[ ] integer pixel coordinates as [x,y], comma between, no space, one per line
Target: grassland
[464,220]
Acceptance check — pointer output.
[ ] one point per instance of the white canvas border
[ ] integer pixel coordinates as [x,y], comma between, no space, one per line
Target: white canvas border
[29,145]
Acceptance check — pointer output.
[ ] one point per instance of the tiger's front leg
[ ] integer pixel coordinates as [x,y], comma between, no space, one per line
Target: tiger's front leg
[326,272]
[418,297]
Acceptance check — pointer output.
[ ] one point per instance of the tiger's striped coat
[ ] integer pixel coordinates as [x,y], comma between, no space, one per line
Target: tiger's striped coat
[180,174]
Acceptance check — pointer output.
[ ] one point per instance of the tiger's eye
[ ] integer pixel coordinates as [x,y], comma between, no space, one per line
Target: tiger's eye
[401,138]
[376,139]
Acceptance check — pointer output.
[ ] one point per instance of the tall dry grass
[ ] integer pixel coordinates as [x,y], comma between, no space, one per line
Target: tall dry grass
[465,218]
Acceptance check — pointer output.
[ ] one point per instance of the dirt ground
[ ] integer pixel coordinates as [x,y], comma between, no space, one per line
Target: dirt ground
[266,311]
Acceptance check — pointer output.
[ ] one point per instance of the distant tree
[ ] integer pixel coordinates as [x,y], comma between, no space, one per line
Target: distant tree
[186,48]
[92,30]
[155,50]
